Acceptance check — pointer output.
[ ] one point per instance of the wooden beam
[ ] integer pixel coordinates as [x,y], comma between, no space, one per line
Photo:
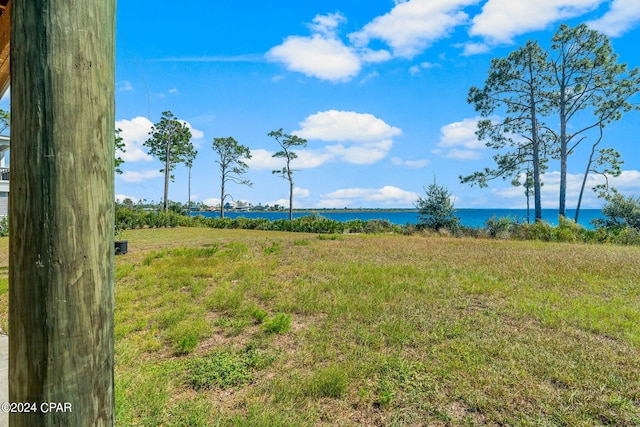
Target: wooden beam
[61,246]
[5,19]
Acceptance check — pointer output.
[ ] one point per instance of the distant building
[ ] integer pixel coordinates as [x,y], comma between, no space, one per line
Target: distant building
[4,176]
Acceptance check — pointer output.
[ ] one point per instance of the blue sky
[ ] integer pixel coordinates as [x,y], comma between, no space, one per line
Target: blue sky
[378,88]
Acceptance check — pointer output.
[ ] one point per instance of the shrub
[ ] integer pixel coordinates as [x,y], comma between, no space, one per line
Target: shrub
[567,231]
[4,226]
[378,226]
[620,212]
[436,210]
[499,227]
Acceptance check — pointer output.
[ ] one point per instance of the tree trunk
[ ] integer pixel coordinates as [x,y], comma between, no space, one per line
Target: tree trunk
[167,175]
[563,152]
[61,294]
[222,196]
[189,194]
[586,175]
[291,200]
[290,176]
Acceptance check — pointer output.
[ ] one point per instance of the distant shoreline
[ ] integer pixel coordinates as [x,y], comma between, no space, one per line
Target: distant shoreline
[320,210]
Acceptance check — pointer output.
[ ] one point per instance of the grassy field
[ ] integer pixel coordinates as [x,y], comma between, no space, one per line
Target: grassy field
[251,328]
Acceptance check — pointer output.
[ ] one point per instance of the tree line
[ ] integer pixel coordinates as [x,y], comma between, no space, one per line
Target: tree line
[170,142]
[539,105]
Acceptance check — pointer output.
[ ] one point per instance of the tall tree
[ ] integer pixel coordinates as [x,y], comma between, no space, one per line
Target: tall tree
[586,77]
[287,143]
[189,158]
[515,85]
[119,146]
[170,143]
[231,160]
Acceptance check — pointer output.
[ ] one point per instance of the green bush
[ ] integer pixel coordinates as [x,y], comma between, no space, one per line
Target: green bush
[4,226]
[436,211]
[620,212]
[279,324]
[499,227]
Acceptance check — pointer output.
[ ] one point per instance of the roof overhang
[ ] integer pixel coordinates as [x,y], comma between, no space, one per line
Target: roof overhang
[5,37]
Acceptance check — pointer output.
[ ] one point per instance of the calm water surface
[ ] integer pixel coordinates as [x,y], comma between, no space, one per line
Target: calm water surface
[469,217]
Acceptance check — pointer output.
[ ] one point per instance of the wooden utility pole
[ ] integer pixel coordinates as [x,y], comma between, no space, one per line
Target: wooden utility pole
[61,293]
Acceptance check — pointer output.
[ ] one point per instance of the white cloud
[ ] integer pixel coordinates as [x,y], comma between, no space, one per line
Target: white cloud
[134,133]
[417,164]
[301,192]
[212,201]
[321,55]
[413,25]
[364,154]
[333,125]
[124,86]
[327,25]
[361,138]
[459,141]
[461,134]
[387,195]
[372,75]
[458,154]
[501,20]
[131,176]
[309,159]
[475,48]
[195,133]
[370,55]
[411,164]
[316,56]
[121,197]
[355,138]
[622,16]
[415,69]
[263,160]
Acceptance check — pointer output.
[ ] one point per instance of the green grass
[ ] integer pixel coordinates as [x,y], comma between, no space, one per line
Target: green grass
[253,328]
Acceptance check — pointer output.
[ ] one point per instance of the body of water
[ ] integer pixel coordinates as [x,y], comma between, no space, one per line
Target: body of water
[469,217]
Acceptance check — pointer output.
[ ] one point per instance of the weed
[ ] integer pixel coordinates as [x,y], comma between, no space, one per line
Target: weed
[259,315]
[279,324]
[148,259]
[186,335]
[330,237]
[328,382]
[275,248]
[187,344]
[224,369]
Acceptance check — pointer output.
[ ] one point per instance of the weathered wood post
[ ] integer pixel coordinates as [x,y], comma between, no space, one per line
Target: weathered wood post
[61,293]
